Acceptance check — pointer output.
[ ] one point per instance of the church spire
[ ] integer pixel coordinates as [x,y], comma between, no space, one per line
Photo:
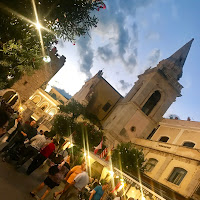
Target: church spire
[173,66]
[180,56]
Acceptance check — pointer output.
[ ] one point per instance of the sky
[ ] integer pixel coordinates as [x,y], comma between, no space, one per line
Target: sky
[131,36]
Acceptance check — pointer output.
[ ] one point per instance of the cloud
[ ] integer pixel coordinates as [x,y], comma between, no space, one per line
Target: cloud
[153,36]
[105,52]
[154,57]
[86,54]
[174,11]
[156,17]
[118,31]
[124,85]
[118,22]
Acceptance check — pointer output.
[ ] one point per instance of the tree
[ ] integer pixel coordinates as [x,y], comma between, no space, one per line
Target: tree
[76,155]
[128,158]
[72,120]
[76,109]
[20,48]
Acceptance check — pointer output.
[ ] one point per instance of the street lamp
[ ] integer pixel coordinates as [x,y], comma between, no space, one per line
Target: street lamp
[47,59]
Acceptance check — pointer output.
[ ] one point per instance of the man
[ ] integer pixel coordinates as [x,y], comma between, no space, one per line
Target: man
[4,117]
[18,139]
[32,148]
[42,156]
[72,190]
[75,171]
[71,175]
[30,129]
[13,126]
[99,192]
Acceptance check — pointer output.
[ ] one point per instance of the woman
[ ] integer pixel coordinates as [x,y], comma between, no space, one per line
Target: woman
[56,175]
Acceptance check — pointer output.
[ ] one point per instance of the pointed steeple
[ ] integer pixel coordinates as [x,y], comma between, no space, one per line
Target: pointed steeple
[173,66]
[180,56]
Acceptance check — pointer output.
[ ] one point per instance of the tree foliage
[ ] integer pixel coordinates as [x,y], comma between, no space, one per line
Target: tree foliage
[20,48]
[84,132]
[128,158]
[75,109]
[76,155]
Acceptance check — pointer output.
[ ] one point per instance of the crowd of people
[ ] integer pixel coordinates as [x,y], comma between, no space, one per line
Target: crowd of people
[23,142]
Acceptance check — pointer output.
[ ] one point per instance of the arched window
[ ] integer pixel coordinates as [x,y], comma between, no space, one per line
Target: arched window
[36,99]
[44,106]
[177,175]
[151,103]
[150,164]
[61,101]
[188,144]
[52,112]
[53,95]
[106,107]
[164,139]
[10,97]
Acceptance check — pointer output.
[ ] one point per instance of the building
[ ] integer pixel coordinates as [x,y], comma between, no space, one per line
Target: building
[173,156]
[171,146]
[27,85]
[99,96]
[42,106]
[139,113]
[58,96]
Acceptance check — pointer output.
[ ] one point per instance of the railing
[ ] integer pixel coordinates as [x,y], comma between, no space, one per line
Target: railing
[145,191]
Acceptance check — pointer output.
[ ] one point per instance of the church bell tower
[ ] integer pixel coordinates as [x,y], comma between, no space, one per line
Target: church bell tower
[139,113]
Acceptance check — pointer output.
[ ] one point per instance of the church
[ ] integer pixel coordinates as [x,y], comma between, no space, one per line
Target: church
[171,146]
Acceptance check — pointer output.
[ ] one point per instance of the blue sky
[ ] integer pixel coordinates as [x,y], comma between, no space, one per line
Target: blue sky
[131,36]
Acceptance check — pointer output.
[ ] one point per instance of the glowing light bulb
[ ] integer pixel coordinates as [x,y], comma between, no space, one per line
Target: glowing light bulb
[46,59]
[38,26]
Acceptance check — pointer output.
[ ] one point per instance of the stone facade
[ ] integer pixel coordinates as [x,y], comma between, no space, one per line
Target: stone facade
[173,154]
[100,97]
[27,85]
[143,107]
[41,107]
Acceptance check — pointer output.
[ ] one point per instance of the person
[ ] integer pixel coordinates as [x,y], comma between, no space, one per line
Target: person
[32,148]
[94,184]
[72,174]
[13,126]
[72,190]
[41,132]
[18,139]
[42,156]
[99,192]
[4,118]
[55,175]
[30,129]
